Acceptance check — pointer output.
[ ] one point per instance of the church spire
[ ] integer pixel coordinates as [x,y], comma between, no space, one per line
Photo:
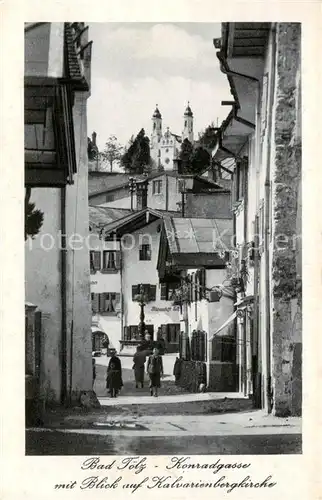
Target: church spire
[188,124]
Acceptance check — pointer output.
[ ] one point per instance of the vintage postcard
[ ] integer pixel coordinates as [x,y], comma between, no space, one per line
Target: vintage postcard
[162,289]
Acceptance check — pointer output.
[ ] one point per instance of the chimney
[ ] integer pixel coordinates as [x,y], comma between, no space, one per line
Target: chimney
[94,135]
[141,195]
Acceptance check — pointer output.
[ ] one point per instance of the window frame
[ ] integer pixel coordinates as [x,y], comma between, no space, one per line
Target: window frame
[145,252]
[157,186]
[92,255]
[109,252]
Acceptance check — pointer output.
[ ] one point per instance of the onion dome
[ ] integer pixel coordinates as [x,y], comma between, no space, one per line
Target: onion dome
[156,113]
[188,111]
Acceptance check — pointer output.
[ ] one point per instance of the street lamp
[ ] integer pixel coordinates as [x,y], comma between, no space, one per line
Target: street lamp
[142,299]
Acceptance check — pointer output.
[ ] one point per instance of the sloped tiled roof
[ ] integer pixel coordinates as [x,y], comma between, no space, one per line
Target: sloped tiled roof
[100,182]
[199,235]
[99,216]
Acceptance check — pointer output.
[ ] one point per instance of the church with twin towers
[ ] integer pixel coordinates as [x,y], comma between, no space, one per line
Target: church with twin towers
[165,145]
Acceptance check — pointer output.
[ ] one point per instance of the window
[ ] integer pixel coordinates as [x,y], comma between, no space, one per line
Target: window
[167,160]
[109,197]
[224,349]
[264,104]
[106,302]
[148,290]
[167,150]
[145,252]
[240,179]
[95,260]
[167,290]
[157,187]
[171,332]
[131,332]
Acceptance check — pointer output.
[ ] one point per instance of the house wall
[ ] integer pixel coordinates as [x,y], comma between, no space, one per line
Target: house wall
[78,291]
[169,196]
[286,207]
[278,150]
[209,317]
[166,200]
[121,199]
[111,283]
[135,272]
[208,205]
[43,288]
[43,257]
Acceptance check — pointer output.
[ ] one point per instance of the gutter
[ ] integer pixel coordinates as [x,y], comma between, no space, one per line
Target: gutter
[267,225]
[63,295]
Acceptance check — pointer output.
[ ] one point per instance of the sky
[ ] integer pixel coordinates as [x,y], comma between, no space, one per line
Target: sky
[138,65]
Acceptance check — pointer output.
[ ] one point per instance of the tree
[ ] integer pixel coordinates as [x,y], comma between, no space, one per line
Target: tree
[33,218]
[209,138]
[136,159]
[193,160]
[200,160]
[185,155]
[112,151]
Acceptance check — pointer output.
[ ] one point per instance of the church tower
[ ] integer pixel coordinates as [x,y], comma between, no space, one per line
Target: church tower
[188,124]
[156,123]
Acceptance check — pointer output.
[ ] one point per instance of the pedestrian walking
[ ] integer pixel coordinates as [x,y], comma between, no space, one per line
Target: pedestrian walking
[114,381]
[139,359]
[155,371]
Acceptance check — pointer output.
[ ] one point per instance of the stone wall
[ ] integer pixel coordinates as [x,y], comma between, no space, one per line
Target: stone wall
[192,374]
[286,271]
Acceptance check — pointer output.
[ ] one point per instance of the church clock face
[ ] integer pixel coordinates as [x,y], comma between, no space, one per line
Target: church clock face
[167,160]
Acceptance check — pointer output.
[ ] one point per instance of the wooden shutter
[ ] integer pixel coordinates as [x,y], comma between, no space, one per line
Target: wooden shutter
[117,260]
[163,291]
[202,282]
[95,304]
[101,302]
[152,292]
[117,302]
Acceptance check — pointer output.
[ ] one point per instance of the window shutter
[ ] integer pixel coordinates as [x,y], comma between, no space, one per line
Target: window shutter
[135,291]
[117,260]
[97,260]
[163,291]
[101,302]
[202,283]
[152,292]
[117,302]
[95,304]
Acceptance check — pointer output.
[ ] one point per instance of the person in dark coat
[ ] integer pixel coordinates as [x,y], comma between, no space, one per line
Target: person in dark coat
[114,381]
[139,359]
[155,371]
[160,342]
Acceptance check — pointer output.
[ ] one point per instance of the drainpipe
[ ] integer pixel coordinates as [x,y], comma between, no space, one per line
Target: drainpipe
[268,395]
[166,193]
[63,294]
[121,280]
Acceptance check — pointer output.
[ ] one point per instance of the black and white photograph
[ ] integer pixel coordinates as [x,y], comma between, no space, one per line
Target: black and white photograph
[163,239]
